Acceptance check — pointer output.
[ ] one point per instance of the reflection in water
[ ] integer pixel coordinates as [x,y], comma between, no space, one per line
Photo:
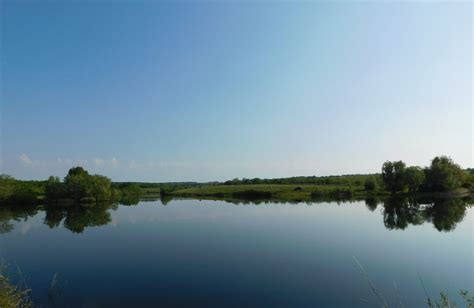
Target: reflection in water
[76,219]
[8,215]
[398,213]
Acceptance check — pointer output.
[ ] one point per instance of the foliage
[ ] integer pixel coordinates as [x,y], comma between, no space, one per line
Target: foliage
[81,186]
[346,180]
[54,188]
[414,178]
[446,302]
[12,296]
[19,192]
[370,184]
[78,184]
[101,188]
[393,175]
[444,174]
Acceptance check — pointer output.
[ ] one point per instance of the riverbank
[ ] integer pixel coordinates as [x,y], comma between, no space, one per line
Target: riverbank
[287,192]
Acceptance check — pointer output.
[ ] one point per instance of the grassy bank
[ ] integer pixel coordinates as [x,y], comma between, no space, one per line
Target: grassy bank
[289,192]
[283,192]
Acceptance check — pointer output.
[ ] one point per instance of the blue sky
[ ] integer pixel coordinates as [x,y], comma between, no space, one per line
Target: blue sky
[162,91]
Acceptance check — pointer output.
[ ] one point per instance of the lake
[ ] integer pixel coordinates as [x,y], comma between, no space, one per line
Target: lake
[216,253]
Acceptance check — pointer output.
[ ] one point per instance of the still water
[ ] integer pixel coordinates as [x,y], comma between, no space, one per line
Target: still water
[215,253]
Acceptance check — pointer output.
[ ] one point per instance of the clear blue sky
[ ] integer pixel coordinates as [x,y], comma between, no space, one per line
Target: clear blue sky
[161,91]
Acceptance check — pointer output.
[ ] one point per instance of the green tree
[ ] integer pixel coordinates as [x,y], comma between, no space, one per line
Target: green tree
[101,188]
[370,184]
[54,189]
[393,175]
[444,174]
[414,177]
[78,183]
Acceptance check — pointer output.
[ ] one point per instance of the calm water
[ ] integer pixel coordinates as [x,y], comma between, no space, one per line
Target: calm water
[213,253]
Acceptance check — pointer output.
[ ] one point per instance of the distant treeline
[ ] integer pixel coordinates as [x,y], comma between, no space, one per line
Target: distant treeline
[351,179]
[441,176]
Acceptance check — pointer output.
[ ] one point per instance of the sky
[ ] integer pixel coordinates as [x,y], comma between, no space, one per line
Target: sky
[213,90]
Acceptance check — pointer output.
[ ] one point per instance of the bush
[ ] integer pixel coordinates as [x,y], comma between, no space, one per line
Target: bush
[414,178]
[12,296]
[370,184]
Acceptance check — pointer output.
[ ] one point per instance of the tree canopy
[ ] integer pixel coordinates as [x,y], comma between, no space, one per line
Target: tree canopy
[444,174]
[393,175]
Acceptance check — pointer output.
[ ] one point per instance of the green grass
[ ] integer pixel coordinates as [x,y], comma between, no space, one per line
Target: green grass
[150,191]
[12,296]
[277,192]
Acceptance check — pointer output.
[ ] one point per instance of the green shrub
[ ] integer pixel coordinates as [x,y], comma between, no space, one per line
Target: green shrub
[370,184]
[12,296]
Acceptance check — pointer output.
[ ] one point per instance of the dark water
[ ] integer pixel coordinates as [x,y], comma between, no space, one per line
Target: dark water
[213,253]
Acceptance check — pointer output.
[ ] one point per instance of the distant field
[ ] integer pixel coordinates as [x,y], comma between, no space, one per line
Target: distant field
[279,191]
[150,191]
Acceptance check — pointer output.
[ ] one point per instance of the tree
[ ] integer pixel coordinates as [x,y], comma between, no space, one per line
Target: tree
[77,171]
[54,189]
[101,187]
[393,175]
[78,184]
[370,184]
[414,177]
[444,174]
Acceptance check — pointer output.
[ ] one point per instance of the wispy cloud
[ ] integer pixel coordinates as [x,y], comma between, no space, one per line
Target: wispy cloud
[113,162]
[98,161]
[25,160]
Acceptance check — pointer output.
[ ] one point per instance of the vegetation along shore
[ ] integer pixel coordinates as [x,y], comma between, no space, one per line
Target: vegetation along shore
[442,178]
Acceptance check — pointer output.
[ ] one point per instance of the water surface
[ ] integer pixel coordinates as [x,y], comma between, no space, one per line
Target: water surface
[214,253]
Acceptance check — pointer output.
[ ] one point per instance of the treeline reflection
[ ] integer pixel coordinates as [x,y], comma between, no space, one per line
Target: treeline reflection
[397,213]
[444,214]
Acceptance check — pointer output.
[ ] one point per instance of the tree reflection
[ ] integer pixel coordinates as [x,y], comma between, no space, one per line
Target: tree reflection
[54,216]
[398,213]
[444,214]
[371,203]
[79,218]
[17,213]
[165,199]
